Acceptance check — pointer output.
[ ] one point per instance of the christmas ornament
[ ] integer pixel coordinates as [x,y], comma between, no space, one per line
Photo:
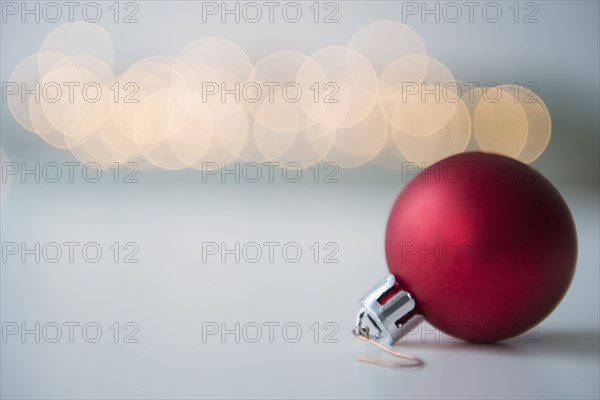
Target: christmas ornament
[480,245]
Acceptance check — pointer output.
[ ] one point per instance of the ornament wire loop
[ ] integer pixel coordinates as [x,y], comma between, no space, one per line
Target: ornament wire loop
[362,333]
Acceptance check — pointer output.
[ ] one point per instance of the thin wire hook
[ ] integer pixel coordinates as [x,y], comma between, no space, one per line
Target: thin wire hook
[363,334]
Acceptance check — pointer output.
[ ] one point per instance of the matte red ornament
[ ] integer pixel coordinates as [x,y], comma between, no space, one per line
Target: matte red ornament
[481,245]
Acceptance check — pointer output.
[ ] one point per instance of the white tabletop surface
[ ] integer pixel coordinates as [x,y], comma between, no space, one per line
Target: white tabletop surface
[172,296]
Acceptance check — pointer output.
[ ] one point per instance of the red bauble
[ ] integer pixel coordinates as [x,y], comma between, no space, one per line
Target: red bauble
[485,245]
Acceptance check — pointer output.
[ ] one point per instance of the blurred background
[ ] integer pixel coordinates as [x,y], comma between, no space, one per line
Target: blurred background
[153,279]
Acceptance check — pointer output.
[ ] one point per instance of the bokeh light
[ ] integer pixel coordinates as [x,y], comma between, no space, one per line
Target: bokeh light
[379,98]
[383,42]
[500,124]
[539,124]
